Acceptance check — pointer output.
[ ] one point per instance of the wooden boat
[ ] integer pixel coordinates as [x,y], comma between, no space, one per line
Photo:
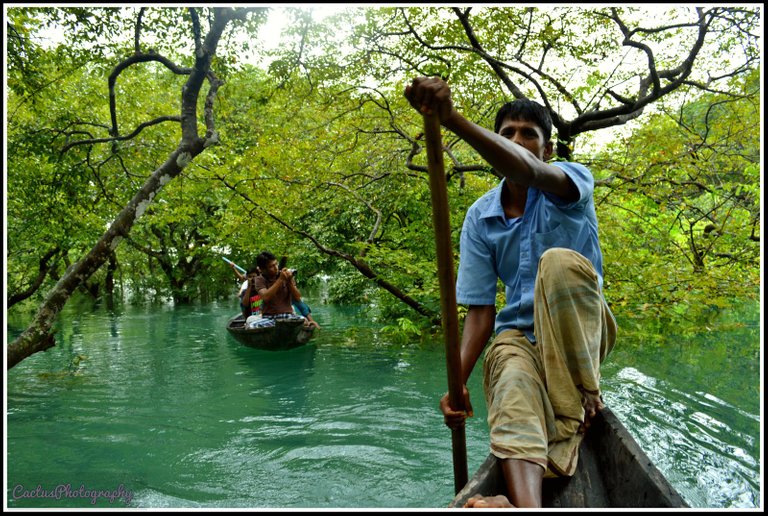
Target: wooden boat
[613,472]
[285,334]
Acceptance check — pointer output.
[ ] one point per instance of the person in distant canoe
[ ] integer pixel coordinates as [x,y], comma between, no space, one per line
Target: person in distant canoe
[277,289]
[247,304]
[303,309]
[251,273]
[537,232]
[253,304]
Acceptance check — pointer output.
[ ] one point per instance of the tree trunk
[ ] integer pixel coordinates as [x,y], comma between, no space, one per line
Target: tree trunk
[109,282]
[38,336]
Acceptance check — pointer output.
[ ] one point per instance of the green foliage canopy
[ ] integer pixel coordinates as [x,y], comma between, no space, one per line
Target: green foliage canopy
[321,158]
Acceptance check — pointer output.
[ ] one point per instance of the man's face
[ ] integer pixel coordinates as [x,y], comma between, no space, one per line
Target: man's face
[527,134]
[271,269]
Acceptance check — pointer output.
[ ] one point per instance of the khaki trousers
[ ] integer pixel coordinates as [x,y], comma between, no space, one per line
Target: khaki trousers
[534,391]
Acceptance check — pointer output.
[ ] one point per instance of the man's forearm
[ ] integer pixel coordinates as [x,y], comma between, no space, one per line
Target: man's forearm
[268,293]
[295,291]
[513,161]
[507,158]
[478,328]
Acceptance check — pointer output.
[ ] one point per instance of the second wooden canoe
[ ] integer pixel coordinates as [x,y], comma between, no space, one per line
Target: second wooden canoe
[285,334]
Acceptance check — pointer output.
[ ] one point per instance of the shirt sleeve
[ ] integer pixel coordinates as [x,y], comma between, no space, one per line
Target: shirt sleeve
[477,277]
[582,179]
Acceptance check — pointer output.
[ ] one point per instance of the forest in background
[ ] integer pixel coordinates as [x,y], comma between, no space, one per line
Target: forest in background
[144,147]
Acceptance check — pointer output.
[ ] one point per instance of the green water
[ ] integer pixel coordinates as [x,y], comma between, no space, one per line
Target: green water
[160,408]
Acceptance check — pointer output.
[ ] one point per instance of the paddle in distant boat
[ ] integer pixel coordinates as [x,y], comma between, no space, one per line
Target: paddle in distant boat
[233,264]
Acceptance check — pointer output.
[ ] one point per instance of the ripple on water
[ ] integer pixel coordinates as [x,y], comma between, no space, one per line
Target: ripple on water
[686,435]
[166,402]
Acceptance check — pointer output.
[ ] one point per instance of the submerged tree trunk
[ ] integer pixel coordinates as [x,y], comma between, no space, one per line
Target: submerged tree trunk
[109,281]
[38,336]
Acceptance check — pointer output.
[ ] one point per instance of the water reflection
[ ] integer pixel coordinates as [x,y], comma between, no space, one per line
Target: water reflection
[165,402]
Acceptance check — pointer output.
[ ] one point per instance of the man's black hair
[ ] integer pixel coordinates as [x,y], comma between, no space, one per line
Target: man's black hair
[264,258]
[528,110]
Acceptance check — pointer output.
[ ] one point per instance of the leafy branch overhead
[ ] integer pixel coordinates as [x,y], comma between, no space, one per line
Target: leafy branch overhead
[320,157]
[37,336]
[593,68]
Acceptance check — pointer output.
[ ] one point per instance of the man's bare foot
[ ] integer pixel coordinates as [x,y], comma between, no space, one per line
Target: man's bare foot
[592,403]
[488,502]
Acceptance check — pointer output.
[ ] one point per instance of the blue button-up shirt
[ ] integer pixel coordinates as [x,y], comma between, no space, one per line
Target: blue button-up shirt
[493,247]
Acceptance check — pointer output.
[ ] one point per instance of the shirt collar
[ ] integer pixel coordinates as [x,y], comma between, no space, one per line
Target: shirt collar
[494,207]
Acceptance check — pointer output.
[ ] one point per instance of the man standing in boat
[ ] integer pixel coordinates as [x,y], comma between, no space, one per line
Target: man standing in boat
[537,232]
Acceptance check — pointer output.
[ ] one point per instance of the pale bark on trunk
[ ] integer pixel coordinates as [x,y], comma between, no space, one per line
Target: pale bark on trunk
[39,336]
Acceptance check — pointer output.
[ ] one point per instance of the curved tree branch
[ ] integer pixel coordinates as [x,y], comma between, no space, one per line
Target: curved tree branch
[137,32]
[38,336]
[357,263]
[43,272]
[130,136]
[122,66]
